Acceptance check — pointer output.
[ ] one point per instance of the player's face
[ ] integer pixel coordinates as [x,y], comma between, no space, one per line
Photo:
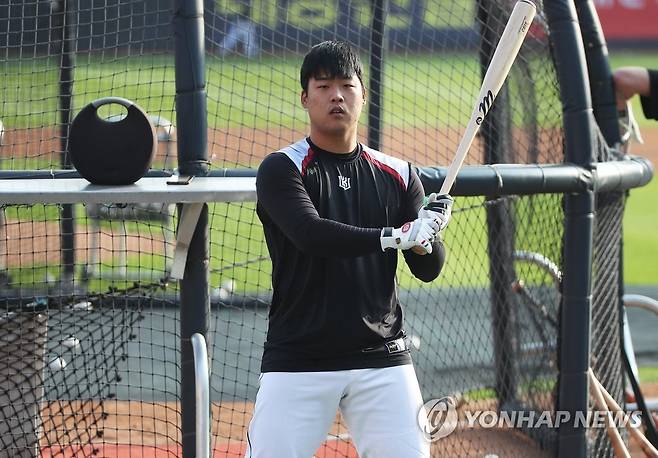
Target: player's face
[334,105]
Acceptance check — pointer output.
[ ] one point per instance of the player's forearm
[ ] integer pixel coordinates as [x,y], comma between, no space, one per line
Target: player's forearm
[326,238]
[426,267]
[650,100]
[630,81]
[318,236]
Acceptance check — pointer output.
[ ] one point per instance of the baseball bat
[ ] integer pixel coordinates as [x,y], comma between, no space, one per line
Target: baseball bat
[508,47]
[599,402]
[647,447]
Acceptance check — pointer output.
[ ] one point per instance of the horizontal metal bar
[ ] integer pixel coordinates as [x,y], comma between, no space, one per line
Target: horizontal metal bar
[639,301]
[48,174]
[622,175]
[473,180]
[79,190]
[521,179]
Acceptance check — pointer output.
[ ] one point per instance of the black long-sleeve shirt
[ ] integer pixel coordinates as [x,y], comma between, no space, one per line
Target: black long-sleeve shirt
[650,102]
[334,288]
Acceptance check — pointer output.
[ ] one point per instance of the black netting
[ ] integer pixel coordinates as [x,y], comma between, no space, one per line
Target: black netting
[88,360]
[605,344]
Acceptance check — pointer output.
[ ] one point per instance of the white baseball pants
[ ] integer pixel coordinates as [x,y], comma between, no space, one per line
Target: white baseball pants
[295,410]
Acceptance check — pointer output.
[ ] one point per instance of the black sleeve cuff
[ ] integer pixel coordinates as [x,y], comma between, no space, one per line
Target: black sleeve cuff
[650,102]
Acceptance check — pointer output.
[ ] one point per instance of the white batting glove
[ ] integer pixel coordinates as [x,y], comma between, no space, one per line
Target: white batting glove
[417,233]
[438,208]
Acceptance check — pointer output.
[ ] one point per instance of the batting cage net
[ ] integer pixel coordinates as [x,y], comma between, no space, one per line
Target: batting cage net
[90,318]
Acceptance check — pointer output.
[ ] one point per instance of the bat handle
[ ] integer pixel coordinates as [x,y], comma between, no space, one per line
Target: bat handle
[449,180]
[445,187]
[599,402]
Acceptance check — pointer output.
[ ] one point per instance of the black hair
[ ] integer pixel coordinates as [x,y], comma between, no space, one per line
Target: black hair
[330,59]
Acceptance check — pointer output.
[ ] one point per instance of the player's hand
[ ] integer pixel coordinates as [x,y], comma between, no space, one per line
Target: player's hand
[419,233]
[438,208]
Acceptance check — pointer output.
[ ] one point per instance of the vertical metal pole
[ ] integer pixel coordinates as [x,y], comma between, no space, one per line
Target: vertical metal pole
[500,228]
[202,392]
[600,74]
[375,96]
[575,310]
[66,67]
[575,317]
[192,160]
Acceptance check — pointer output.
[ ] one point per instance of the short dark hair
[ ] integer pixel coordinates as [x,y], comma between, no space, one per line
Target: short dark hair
[330,59]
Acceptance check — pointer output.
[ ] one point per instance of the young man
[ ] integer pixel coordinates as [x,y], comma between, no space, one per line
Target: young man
[334,214]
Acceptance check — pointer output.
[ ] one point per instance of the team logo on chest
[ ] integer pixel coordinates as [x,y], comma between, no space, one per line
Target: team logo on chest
[344,182]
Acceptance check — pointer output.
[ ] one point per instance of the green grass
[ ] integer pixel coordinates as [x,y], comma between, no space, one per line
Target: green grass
[238,246]
[481,394]
[420,90]
[30,87]
[537,385]
[641,236]
[237,238]
[261,92]
[648,374]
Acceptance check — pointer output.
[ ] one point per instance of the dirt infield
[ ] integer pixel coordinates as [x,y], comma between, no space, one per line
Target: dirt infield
[426,146]
[35,242]
[650,147]
[152,430]
[134,428]
[243,146]
[432,146]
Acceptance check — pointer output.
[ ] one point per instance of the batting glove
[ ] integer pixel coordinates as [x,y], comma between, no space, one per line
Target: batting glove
[420,233]
[438,208]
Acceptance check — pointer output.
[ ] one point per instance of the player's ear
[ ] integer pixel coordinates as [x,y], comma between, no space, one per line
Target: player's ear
[303,98]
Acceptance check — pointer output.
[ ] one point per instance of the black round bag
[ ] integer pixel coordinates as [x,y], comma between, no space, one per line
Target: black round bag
[112,152]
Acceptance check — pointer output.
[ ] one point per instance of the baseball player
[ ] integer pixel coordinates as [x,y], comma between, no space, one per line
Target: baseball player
[334,213]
